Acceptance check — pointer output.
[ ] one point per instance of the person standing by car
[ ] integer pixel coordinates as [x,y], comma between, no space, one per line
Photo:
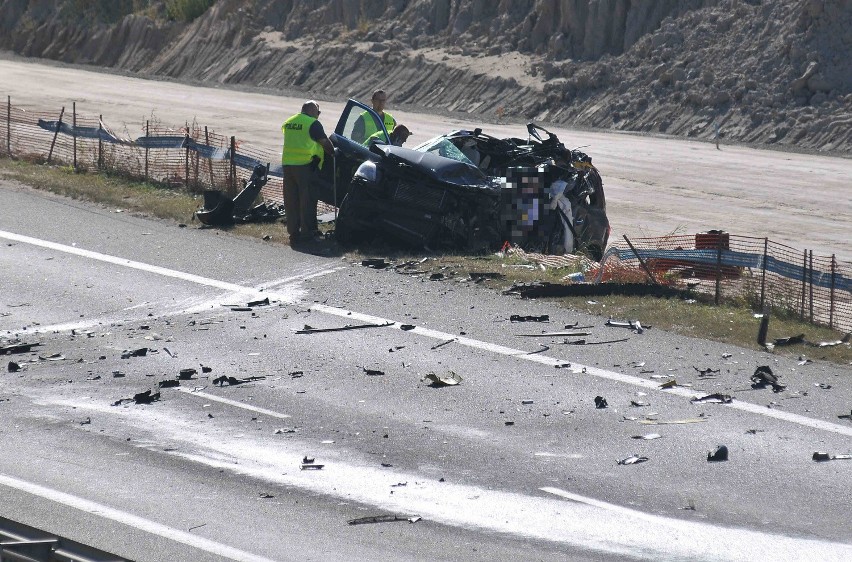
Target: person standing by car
[397,137]
[365,126]
[303,154]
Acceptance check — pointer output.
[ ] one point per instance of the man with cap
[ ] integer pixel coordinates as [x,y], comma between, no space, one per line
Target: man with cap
[305,148]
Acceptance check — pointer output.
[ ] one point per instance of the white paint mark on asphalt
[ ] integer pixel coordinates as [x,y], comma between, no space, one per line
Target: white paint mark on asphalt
[234,403]
[443,336]
[583,522]
[131,520]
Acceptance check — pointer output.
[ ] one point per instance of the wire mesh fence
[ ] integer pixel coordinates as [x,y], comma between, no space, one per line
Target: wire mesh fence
[755,271]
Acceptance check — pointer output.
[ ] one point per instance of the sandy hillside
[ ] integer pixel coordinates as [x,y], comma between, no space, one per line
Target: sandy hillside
[771,73]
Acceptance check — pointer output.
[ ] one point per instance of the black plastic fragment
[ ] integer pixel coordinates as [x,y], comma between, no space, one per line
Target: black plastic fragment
[600,402]
[763,377]
[13,367]
[719,454]
[532,318]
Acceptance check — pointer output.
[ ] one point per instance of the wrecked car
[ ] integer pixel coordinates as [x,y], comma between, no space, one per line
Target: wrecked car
[218,209]
[467,191]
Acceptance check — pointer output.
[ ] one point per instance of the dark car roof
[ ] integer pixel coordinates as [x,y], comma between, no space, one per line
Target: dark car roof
[437,167]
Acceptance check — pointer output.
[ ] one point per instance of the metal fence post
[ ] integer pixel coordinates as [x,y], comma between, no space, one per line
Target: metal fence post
[718,267]
[74,132]
[186,160]
[831,295]
[232,180]
[100,142]
[55,133]
[763,276]
[638,257]
[147,142]
[9,125]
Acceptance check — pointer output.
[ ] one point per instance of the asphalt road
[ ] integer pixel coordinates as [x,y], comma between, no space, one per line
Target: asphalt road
[654,185]
[515,462]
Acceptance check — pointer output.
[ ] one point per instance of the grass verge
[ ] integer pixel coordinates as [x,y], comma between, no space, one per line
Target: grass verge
[736,325]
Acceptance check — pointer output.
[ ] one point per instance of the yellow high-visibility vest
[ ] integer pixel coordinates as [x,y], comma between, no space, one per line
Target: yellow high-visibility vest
[299,147]
[370,124]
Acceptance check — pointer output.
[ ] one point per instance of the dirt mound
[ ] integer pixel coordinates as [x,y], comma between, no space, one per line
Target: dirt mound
[767,72]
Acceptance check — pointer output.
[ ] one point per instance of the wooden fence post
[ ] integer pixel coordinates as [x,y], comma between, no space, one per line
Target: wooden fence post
[718,267]
[831,294]
[9,125]
[232,181]
[56,132]
[186,159]
[804,284]
[74,132]
[209,160]
[811,282]
[100,142]
[763,276]
[147,142]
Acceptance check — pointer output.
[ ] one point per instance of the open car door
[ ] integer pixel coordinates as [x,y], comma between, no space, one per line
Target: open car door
[350,150]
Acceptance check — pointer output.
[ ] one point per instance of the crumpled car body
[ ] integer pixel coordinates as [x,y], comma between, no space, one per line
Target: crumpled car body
[466,191]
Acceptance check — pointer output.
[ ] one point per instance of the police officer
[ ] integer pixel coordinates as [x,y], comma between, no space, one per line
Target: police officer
[365,126]
[397,136]
[305,147]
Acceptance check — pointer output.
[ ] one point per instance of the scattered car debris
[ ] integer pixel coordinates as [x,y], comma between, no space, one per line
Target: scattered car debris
[600,402]
[436,277]
[822,385]
[822,457]
[716,398]
[51,357]
[220,210]
[647,437]
[584,342]
[846,339]
[87,421]
[764,377]
[480,276]
[186,374]
[669,384]
[443,343]
[264,302]
[373,372]
[634,325]
[718,454]
[792,340]
[310,330]
[266,495]
[17,347]
[556,335]
[803,360]
[233,381]
[406,327]
[846,417]
[309,463]
[283,430]
[168,383]
[635,459]
[708,372]
[532,318]
[673,422]
[146,397]
[450,379]
[13,367]
[128,353]
[206,369]
[639,404]
[375,263]
[118,374]
[384,519]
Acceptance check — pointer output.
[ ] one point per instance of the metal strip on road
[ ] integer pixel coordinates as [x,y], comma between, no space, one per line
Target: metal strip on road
[443,336]
[130,520]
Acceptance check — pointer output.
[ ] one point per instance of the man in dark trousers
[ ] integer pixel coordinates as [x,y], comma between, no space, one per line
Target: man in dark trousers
[305,147]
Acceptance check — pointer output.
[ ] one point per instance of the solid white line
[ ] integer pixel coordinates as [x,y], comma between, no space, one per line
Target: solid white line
[443,336]
[234,403]
[130,520]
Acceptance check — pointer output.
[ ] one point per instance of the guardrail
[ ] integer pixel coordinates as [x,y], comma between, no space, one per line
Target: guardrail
[21,543]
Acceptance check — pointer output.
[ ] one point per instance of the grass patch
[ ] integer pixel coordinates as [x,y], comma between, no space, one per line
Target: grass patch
[729,324]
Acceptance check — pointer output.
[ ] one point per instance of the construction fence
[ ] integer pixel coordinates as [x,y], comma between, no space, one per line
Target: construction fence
[764,274]
[192,157]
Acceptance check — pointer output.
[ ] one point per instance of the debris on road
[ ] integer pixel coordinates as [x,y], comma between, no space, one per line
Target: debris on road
[450,379]
[186,374]
[584,342]
[283,430]
[635,459]
[443,343]
[308,463]
[480,276]
[372,372]
[718,454]
[634,325]
[128,353]
[13,367]
[764,377]
[375,263]
[519,318]
[708,372]
[384,519]
[791,340]
[310,330]
[647,437]
[716,398]
[669,384]
[252,304]
[600,402]
[846,417]
[233,381]
[168,383]
[846,339]
[822,457]
[17,347]
[406,327]
[146,397]
[556,335]
[672,422]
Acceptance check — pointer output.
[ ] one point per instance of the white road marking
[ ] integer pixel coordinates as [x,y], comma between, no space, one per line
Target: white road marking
[443,336]
[131,520]
[582,522]
[234,403]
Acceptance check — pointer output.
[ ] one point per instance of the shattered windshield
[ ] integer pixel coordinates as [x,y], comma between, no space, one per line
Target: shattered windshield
[442,147]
